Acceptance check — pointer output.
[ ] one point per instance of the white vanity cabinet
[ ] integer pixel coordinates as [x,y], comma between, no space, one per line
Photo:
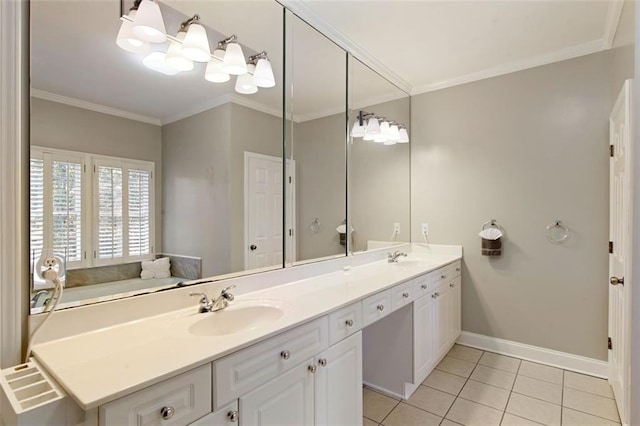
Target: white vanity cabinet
[424,341]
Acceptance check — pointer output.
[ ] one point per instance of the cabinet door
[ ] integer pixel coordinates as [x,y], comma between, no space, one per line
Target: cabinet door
[456,309]
[226,416]
[339,383]
[285,401]
[443,301]
[424,337]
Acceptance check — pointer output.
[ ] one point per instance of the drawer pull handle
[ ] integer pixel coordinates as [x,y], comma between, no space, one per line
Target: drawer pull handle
[405,295]
[322,362]
[380,308]
[433,296]
[285,354]
[312,368]
[167,412]
[443,276]
[232,416]
[423,286]
[349,323]
[452,285]
[457,269]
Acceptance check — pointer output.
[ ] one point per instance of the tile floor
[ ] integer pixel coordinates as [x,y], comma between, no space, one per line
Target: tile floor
[472,387]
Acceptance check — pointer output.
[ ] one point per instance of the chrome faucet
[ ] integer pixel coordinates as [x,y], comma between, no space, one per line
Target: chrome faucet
[393,257]
[36,297]
[217,304]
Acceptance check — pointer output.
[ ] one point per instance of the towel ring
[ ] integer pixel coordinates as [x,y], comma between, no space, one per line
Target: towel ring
[557,232]
[315,225]
[491,224]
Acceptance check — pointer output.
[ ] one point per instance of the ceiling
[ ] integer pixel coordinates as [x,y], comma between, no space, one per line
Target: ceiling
[418,45]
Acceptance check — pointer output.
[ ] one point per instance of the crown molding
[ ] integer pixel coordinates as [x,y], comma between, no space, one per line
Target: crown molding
[210,104]
[246,102]
[614,12]
[340,110]
[307,14]
[53,97]
[532,62]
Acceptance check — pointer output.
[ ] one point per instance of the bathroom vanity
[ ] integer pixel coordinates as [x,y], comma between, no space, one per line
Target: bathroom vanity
[285,354]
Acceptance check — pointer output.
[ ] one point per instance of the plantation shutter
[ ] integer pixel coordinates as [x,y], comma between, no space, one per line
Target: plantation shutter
[110,220]
[139,217]
[36,208]
[66,204]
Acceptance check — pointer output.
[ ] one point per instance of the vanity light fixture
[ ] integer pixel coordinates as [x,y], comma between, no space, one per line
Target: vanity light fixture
[148,24]
[144,25]
[379,129]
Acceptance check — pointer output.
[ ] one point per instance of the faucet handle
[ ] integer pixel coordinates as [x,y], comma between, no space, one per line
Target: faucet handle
[203,297]
[225,293]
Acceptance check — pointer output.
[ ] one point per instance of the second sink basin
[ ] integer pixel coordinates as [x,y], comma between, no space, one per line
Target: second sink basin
[238,317]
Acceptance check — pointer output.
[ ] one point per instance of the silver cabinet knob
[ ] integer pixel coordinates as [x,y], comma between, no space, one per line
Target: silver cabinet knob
[233,416]
[433,296]
[443,276]
[380,307]
[349,323]
[423,286]
[437,294]
[452,285]
[322,362]
[167,412]
[458,269]
[312,368]
[405,295]
[616,281]
[285,354]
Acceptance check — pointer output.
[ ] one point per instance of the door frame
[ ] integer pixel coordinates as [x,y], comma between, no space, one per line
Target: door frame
[289,197]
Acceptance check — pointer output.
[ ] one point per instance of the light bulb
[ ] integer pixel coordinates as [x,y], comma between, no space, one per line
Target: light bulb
[126,38]
[234,62]
[263,75]
[214,72]
[244,82]
[196,44]
[156,62]
[404,136]
[358,130]
[373,127]
[174,57]
[148,24]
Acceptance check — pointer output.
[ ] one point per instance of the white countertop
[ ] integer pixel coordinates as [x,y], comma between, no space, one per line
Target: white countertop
[100,366]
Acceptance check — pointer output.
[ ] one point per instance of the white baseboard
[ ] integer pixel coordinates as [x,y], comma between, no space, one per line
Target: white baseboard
[383,391]
[566,361]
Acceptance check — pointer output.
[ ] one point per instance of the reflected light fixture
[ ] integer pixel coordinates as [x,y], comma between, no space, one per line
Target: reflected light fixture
[148,24]
[157,62]
[373,127]
[404,136]
[196,43]
[233,62]
[263,74]
[126,38]
[244,82]
[214,72]
[379,129]
[175,58]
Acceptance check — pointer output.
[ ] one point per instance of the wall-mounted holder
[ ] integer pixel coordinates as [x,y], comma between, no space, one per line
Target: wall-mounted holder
[491,234]
[30,397]
[557,232]
[315,225]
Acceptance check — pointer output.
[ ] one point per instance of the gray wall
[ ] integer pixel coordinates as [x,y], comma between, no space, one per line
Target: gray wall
[61,126]
[320,154]
[196,208]
[525,148]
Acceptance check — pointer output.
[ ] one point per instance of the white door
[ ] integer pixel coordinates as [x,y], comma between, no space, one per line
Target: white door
[620,233]
[263,211]
[285,401]
[339,383]
[424,337]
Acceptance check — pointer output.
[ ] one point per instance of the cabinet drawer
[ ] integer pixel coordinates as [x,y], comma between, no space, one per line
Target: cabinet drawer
[226,416]
[187,396]
[456,269]
[239,373]
[375,307]
[421,286]
[344,322]
[401,295]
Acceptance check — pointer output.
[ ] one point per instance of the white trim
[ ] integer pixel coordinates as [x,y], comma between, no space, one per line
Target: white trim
[13,81]
[78,103]
[210,104]
[567,361]
[306,12]
[532,62]
[612,20]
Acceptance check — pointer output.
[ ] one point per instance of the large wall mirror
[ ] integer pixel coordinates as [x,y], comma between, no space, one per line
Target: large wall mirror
[135,157]
[379,168]
[315,100]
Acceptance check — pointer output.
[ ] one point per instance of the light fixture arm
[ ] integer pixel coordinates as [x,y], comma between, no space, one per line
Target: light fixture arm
[194,19]
[222,44]
[363,116]
[255,58]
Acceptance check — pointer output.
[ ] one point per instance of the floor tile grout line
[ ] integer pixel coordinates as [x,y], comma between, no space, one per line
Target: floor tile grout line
[465,384]
[389,413]
[524,418]
[510,393]
[536,398]
[592,415]
[590,393]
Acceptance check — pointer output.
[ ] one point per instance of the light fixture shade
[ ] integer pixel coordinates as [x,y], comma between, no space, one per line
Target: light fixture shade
[379,138]
[234,62]
[174,58]
[394,133]
[403,136]
[156,61]
[368,137]
[373,127]
[390,142]
[384,127]
[196,44]
[244,82]
[127,40]
[358,130]
[263,75]
[148,25]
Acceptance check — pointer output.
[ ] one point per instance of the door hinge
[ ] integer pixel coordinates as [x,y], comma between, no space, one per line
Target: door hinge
[611,150]
[610,247]
[289,179]
[291,232]
[609,344]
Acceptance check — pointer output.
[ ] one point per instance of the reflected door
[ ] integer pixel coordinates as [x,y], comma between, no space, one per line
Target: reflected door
[263,211]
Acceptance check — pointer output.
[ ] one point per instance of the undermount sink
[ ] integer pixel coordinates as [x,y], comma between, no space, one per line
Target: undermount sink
[238,317]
